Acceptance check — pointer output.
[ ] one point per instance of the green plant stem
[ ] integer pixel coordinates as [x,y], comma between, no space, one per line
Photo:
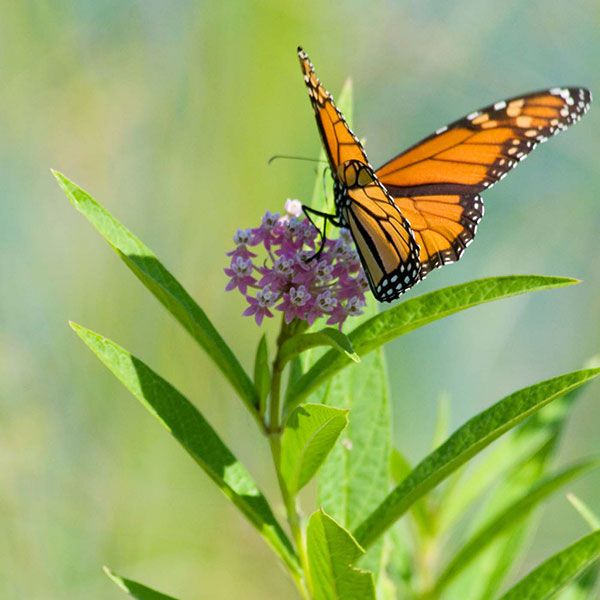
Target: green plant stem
[426,550]
[274,429]
[293,518]
[274,426]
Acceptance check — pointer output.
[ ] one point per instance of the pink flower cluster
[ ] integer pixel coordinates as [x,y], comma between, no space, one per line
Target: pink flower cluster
[331,285]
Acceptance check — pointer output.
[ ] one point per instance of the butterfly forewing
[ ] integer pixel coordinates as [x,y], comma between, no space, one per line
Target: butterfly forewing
[385,242]
[475,152]
[440,177]
[340,143]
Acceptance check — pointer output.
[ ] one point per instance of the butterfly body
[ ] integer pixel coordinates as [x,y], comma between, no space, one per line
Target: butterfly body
[420,210]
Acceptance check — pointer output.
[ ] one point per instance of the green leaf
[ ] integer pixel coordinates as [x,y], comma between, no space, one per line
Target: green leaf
[400,469]
[505,521]
[309,435]
[167,290]
[485,575]
[325,337]
[506,456]
[187,425]
[356,475]
[516,464]
[262,374]
[399,466]
[331,553]
[585,512]
[513,452]
[414,313]
[465,443]
[137,590]
[547,580]
[400,567]
[585,587]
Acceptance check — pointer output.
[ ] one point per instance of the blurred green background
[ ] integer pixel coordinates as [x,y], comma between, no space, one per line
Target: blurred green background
[167,113]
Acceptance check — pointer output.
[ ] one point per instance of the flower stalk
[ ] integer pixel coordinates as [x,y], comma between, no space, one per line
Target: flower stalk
[274,429]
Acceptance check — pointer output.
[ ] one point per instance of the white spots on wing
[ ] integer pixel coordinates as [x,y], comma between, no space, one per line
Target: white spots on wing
[500,105]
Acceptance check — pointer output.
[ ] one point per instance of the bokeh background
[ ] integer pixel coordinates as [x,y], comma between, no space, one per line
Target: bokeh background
[167,113]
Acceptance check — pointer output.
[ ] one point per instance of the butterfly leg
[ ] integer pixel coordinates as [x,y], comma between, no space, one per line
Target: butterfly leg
[307,210]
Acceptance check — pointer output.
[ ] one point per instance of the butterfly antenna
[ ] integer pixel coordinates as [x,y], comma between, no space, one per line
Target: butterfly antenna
[295,158]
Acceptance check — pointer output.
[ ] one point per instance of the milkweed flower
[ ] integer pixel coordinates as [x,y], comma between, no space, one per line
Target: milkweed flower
[289,279]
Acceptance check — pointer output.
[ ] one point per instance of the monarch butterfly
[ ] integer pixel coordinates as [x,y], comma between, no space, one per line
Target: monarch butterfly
[420,210]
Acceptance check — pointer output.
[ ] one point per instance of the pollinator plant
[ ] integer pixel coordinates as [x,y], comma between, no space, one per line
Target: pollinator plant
[448,527]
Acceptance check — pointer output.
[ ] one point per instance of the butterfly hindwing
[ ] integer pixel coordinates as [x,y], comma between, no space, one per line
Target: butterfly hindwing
[443,225]
[384,239]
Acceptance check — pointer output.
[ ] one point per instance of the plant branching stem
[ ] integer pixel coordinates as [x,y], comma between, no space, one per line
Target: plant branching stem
[274,430]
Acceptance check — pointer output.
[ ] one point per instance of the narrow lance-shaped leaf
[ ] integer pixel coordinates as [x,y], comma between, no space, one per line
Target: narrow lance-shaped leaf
[514,467]
[467,441]
[187,425]
[547,580]
[583,588]
[483,577]
[331,553]
[506,520]
[135,589]
[414,313]
[399,469]
[262,374]
[309,435]
[356,475]
[522,444]
[168,291]
[326,337]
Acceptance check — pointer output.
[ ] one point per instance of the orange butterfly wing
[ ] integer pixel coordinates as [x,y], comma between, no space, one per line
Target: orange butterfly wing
[436,182]
[383,237]
[443,225]
[385,242]
[339,142]
[429,194]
